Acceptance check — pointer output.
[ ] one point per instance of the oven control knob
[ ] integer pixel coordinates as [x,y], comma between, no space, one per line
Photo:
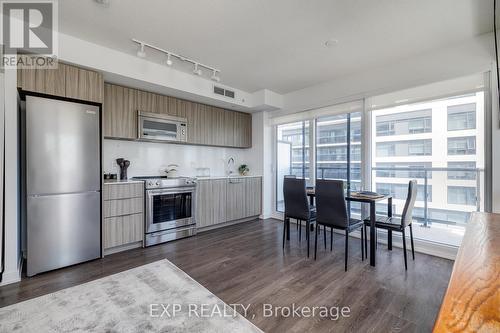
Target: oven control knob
[150,183]
[157,183]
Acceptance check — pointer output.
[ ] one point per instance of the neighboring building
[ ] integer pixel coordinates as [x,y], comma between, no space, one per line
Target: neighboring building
[445,133]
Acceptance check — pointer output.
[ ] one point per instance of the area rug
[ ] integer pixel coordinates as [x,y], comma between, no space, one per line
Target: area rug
[158,297]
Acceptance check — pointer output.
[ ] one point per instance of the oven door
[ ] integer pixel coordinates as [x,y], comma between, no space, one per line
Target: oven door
[169,208]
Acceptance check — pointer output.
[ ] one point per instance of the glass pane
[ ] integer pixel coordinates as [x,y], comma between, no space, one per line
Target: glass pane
[169,207]
[338,151]
[445,159]
[292,155]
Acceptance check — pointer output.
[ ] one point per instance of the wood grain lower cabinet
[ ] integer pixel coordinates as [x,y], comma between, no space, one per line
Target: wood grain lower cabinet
[236,194]
[253,192]
[122,230]
[123,216]
[210,202]
[227,200]
[122,191]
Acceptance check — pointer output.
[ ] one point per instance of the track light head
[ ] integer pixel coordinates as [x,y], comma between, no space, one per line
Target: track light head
[168,62]
[140,52]
[196,70]
[214,77]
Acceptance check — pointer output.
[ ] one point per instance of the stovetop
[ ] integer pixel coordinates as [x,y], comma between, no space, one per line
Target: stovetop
[154,182]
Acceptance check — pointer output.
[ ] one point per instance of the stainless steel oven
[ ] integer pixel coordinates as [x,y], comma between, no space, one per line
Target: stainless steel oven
[170,209]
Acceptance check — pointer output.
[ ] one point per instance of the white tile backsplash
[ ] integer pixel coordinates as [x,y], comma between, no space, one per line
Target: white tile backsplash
[148,158]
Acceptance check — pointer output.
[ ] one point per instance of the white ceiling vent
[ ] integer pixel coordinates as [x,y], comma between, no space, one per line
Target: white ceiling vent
[224,92]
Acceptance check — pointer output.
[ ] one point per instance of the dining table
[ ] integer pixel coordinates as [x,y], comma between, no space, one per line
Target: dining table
[370,200]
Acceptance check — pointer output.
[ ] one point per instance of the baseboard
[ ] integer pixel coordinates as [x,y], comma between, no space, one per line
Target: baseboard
[14,276]
[225,224]
[122,248]
[421,246]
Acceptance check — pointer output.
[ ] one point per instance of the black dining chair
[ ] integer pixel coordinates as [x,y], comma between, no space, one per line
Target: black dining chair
[297,206]
[399,224]
[331,211]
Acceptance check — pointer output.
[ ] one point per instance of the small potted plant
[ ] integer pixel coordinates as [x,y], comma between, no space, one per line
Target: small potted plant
[243,169]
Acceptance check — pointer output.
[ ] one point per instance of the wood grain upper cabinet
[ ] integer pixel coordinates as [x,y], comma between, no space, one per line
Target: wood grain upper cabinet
[242,130]
[216,123]
[196,123]
[146,101]
[119,112]
[64,81]
[44,81]
[84,84]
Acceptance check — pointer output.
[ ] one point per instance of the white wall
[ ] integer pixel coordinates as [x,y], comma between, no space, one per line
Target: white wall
[12,225]
[148,158]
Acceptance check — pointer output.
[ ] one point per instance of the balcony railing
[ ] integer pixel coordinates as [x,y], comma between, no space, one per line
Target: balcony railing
[443,180]
[449,194]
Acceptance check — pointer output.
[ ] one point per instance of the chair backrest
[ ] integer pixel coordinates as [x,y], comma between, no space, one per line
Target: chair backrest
[294,193]
[331,207]
[406,216]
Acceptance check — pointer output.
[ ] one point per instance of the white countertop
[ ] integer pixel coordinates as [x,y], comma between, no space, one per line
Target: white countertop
[122,181]
[227,177]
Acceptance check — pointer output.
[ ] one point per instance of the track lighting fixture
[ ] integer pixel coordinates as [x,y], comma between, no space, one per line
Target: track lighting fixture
[196,70]
[141,52]
[214,76]
[169,60]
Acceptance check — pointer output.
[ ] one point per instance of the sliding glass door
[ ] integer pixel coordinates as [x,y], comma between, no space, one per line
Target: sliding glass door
[292,155]
[338,150]
[325,146]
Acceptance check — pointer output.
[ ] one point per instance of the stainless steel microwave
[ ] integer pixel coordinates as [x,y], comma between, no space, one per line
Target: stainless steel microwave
[160,127]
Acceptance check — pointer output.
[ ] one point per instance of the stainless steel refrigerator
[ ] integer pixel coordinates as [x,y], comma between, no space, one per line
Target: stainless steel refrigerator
[62,181]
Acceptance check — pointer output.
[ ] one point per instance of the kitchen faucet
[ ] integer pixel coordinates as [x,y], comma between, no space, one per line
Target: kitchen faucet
[230,169]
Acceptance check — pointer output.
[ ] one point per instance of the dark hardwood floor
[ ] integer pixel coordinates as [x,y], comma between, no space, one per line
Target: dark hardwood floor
[245,264]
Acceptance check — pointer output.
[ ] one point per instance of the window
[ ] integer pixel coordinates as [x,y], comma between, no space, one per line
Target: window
[462,145]
[432,134]
[404,148]
[404,123]
[292,155]
[462,117]
[462,175]
[400,191]
[412,172]
[462,195]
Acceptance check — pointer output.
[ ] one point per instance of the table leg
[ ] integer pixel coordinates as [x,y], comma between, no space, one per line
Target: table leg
[372,233]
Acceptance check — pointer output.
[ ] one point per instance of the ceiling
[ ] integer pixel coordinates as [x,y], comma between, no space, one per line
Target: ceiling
[279,44]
